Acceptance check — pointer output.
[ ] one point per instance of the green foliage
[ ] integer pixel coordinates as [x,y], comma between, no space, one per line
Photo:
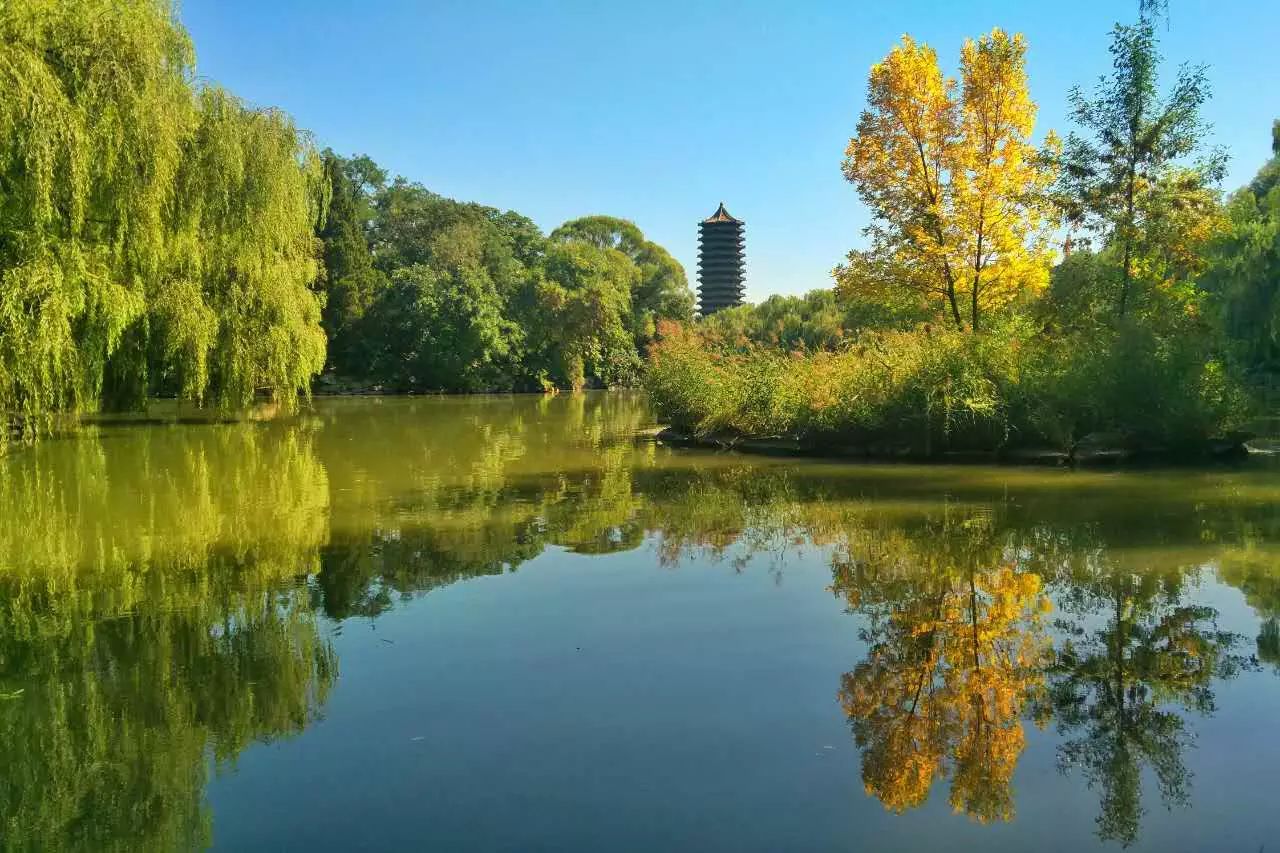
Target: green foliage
[924,389]
[95,113]
[1244,269]
[930,390]
[439,327]
[583,309]
[464,297]
[154,236]
[1134,179]
[351,282]
[814,321]
[662,290]
[239,312]
[818,320]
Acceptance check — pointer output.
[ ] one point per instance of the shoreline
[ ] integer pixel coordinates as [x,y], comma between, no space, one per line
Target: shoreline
[1096,454]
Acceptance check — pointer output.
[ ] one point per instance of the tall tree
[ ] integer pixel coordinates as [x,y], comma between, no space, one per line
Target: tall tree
[999,179]
[955,187]
[1134,178]
[351,282]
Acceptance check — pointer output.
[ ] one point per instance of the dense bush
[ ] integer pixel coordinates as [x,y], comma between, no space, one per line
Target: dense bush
[935,389]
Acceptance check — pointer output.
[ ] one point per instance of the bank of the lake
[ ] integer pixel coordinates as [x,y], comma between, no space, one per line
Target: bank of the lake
[1007,395]
[1095,450]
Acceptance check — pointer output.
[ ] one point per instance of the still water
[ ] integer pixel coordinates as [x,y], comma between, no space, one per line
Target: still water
[506,624]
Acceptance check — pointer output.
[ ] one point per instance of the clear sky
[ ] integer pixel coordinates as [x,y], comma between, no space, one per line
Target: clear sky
[656,111]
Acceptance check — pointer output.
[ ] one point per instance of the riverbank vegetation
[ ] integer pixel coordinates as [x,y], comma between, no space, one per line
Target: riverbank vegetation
[155,233]
[958,328]
[161,237]
[424,293]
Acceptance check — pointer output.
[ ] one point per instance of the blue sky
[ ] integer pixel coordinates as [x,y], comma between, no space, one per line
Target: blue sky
[657,111]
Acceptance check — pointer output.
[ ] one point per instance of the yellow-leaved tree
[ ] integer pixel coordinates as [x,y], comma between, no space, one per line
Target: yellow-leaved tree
[957,190]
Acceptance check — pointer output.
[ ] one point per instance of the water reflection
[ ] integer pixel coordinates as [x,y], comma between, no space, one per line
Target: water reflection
[166,595]
[1121,689]
[957,648]
[145,631]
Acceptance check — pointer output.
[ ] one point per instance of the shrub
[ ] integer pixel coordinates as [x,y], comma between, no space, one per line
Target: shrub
[930,390]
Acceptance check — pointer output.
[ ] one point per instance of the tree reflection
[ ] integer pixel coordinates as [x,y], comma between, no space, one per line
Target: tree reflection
[1117,687]
[955,651]
[1269,642]
[142,634]
[483,494]
[958,655]
[1253,570]
[106,746]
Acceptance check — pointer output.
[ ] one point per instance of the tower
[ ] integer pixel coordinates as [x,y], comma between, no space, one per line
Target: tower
[720,265]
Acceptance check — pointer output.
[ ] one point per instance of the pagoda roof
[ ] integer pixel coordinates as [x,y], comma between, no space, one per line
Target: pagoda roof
[721,215]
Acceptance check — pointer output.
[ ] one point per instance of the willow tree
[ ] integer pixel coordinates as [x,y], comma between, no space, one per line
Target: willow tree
[95,111]
[152,236]
[237,310]
[955,187]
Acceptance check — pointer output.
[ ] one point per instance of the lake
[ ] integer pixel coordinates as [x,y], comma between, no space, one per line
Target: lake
[504,623]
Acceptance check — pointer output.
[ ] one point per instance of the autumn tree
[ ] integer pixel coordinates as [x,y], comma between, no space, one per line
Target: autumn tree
[955,187]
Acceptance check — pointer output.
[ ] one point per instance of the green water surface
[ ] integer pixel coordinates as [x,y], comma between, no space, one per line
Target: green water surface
[503,623]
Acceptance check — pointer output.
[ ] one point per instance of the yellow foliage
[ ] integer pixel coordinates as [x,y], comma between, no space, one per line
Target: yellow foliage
[956,188]
[943,687]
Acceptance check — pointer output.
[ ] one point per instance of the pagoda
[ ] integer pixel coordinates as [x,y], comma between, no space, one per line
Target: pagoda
[720,265]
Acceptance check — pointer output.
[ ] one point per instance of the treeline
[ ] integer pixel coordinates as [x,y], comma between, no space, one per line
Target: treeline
[161,237]
[426,293]
[961,326]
